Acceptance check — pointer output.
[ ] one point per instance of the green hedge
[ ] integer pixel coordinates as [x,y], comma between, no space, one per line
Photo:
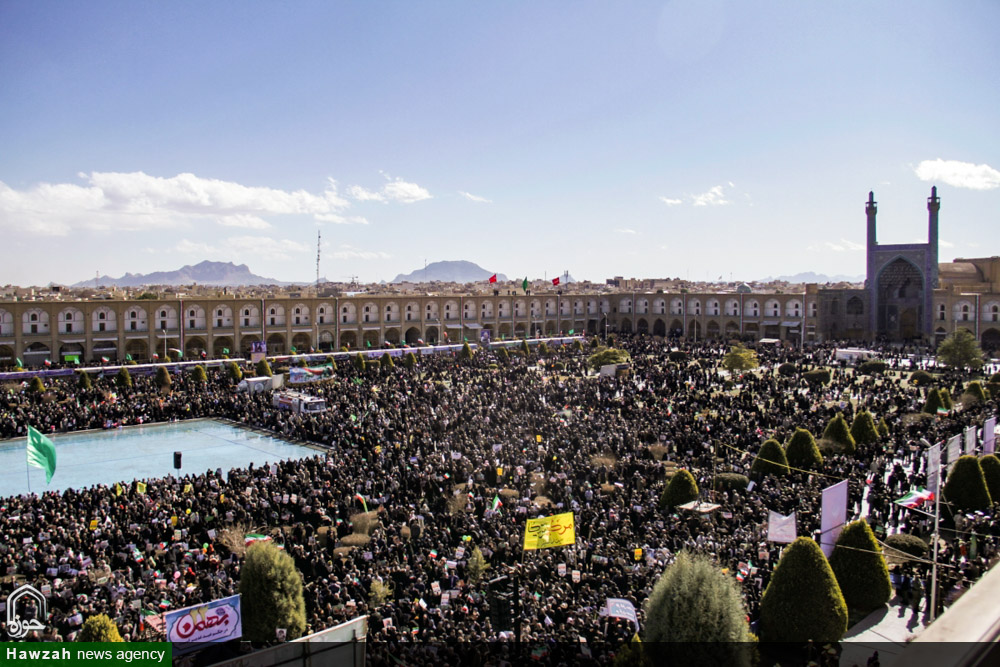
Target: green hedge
[908,544]
[787,370]
[991,473]
[818,376]
[921,379]
[729,481]
[863,429]
[873,367]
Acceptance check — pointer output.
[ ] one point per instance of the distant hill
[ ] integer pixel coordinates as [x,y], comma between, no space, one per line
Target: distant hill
[449,272]
[204,273]
[810,277]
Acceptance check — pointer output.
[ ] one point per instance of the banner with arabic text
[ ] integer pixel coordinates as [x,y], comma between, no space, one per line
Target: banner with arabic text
[549,531]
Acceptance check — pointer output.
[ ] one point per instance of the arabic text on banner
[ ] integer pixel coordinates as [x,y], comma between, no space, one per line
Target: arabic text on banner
[549,531]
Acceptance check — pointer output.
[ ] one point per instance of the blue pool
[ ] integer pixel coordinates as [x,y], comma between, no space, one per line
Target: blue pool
[138,452]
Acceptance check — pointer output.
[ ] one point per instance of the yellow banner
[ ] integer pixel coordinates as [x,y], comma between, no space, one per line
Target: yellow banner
[140,487]
[549,531]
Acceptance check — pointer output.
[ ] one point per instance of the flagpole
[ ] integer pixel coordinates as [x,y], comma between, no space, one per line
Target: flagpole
[27,470]
[934,567]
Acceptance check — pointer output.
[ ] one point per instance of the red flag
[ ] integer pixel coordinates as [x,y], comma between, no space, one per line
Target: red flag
[493,278]
[555,281]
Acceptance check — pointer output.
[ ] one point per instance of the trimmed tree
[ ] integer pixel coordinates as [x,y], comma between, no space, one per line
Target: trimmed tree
[272,594]
[410,360]
[386,361]
[608,356]
[966,486]
[837,431]
[123,379]
[771,459]
[36,386]
[681,489]
[906,543]
[873,367]
[803,601]
[695,615]
[503,355]
[787,370]
[933,402]
[803,452]
[859,565]
[974,391]
[234,371]
[359,363]
[83,382]
[863,429]
[817,376]
[99,628]
[263,369]
[525,350]
[162,377]
[199,375]
[466,352]
[920,378]
[991,473]
[543,348]
[476,566]
[882,428]
[946,399]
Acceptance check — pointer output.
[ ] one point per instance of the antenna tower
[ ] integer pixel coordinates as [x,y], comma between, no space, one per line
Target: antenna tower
[318,236]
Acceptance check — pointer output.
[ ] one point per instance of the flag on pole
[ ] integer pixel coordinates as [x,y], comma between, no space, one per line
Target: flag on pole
[360,497]
[155,356]
[140,487]
[104,360]
[41,453]
[250,538]
[225,350]
[128,357]
[524,285]
[47,362]
[493,278]
[496,504]
[915,498]
[118,489]
[20,364]
[555,281]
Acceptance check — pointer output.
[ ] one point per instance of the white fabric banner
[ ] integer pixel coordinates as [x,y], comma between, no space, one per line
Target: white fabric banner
[934,468]
[970,440]
[781,528]
[834,515]
[954,449]
[989,435]
[620,608]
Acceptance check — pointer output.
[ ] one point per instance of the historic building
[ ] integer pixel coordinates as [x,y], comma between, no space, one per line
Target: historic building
[907,296]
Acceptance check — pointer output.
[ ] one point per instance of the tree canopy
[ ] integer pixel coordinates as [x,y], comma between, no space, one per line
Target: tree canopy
[272,594]
[739,359]
[960,350]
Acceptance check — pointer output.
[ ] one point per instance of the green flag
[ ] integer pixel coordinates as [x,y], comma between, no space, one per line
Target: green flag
[225,350]
[571,332]
[41,453]
[128,357]
[20,364]
[524,285]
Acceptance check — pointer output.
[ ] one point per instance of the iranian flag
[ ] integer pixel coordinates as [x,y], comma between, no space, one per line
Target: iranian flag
[915,498]
[942,411]
[47,362]
[361,498]
[155,356]
[250,538]
[104,360]
[496,504]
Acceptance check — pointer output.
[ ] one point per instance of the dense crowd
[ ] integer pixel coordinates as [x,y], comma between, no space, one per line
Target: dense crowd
[431,448]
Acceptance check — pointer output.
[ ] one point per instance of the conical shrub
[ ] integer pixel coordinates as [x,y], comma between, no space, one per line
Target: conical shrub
[803,601]
[863,429]
[837,431]
[966,486]
[991,473]
[803,452]
[860,568]
[681,489]
[770,459]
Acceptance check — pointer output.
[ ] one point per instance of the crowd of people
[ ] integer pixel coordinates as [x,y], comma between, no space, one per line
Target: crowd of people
[455,455]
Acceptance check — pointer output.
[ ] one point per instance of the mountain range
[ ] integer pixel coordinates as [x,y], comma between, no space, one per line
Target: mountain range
[449,272]
[204,273]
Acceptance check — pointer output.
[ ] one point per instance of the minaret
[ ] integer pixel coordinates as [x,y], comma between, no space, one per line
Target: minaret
[870,210]
[933,206]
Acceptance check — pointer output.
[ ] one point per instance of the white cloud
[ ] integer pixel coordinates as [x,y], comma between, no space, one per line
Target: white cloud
[712,197]
[244,220]
[135,201]
[670,202]
[843,245]
[475,198]
[959,174]
[350,252]
[235,248]
[625,230]
[407,193]
[361,194]
[945,244]
[342,220]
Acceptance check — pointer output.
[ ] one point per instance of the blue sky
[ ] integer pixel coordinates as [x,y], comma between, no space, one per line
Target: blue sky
[646,139]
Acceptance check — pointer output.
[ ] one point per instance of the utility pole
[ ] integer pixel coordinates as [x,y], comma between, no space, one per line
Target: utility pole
[318,236]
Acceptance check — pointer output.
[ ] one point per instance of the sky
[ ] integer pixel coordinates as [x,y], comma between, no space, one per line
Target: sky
[692,139]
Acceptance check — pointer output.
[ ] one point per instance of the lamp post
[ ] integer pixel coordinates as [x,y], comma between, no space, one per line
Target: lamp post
[164,344]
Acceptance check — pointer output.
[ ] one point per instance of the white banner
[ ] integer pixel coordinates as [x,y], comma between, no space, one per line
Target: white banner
[620,608]
[954,449]
[970,440]
[834,515]
[934,468]
[989,435]
[781,528]
[215,621]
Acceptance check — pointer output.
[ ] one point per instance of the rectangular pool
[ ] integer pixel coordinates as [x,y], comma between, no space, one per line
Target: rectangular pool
[139,452]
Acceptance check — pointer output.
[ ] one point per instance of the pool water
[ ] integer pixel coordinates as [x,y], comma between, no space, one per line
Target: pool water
[140,452]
